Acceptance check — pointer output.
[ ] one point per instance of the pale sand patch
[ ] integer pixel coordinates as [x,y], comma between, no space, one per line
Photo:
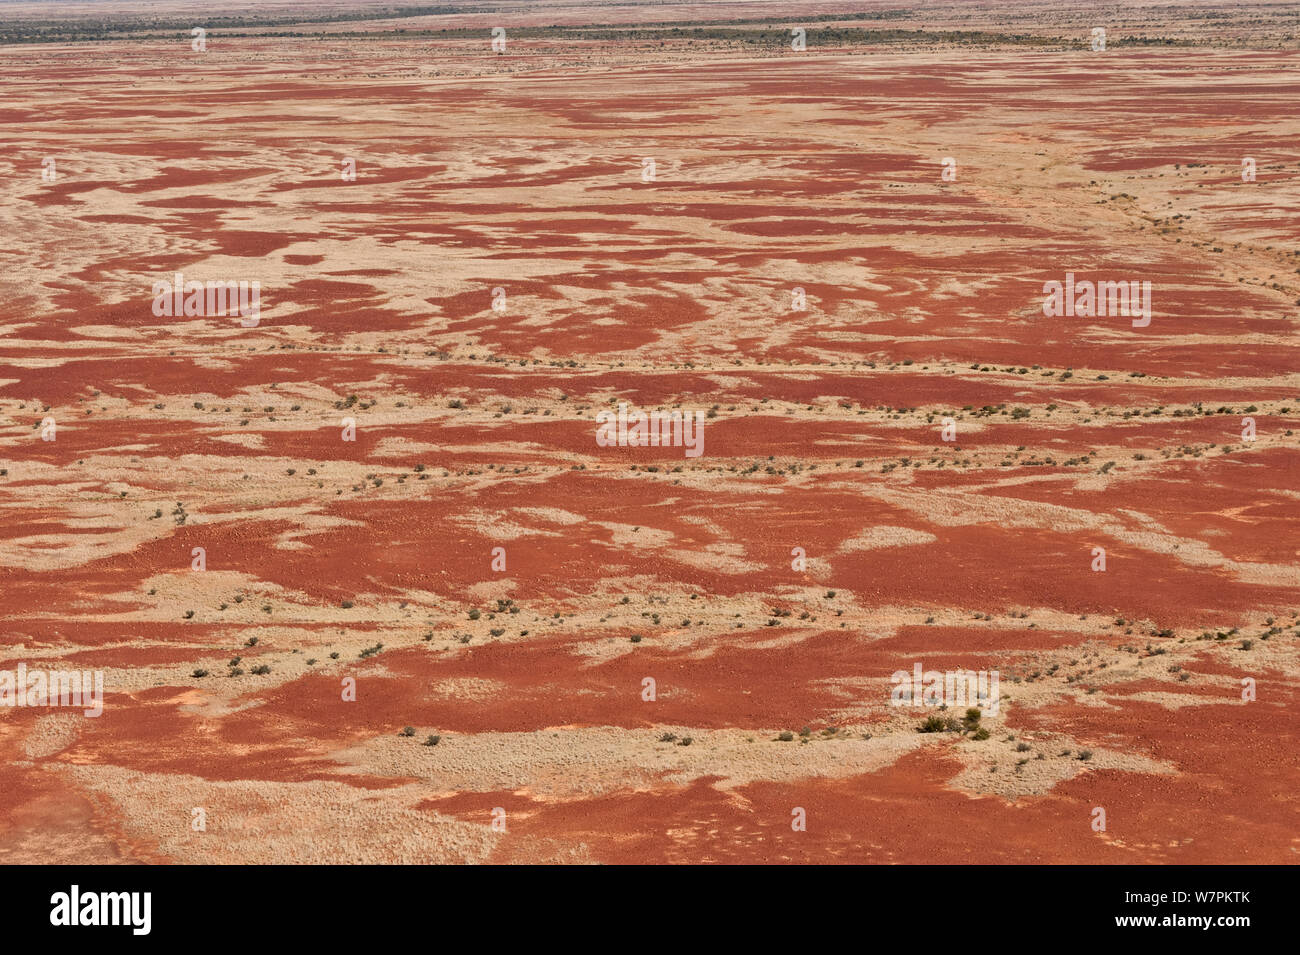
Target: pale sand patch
[874,538]
[216,364]
[485,592]
[62,551]
[409,450]
[553,515]
[498,527]
[403,447]
[211,708]
[705,524]
[52,734]
[1176,701]
[1037,777]
[309,523]
[725,557]
[630,535]
[255,441]
[571,763]
[952,508]
[467,688]
[104,331]
[258,822]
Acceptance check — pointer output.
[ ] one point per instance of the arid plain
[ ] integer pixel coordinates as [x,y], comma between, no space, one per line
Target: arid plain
[429,600]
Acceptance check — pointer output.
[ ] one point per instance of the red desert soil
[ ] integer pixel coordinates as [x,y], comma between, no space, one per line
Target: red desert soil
[352,674]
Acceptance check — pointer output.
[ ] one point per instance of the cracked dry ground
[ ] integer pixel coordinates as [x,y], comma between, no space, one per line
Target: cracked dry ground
[475,429]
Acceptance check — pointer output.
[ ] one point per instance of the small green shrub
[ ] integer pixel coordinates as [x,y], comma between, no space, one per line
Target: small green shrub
[937,724]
